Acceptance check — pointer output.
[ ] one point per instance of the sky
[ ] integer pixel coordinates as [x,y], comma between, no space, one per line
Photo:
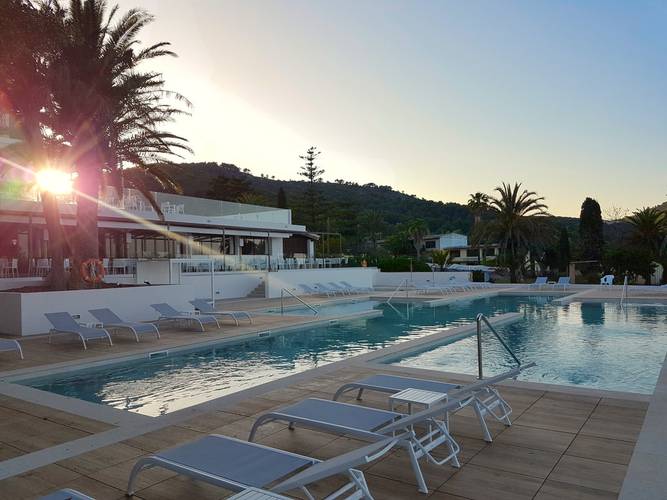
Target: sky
[438,99]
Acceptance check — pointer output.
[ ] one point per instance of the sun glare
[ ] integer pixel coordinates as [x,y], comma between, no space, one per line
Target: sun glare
[54,181]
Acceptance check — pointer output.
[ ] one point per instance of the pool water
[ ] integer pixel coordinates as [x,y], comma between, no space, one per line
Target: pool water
[570,344]
[598,345]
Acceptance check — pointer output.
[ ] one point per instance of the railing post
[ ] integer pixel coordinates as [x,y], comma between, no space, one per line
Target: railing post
[480,370]
[282,306]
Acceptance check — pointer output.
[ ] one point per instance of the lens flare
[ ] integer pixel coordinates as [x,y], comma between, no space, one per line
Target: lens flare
[54,181]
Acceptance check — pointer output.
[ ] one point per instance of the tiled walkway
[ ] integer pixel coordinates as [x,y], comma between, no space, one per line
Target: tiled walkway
[560,446]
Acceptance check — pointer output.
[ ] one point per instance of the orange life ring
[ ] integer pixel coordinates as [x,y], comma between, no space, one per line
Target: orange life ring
[92,270]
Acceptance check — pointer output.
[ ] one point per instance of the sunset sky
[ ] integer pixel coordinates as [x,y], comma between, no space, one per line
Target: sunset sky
[438,99]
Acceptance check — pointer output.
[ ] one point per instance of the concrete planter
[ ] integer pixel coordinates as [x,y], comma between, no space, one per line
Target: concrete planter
[22,314]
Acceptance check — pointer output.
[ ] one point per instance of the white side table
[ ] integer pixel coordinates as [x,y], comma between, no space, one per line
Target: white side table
[418,397]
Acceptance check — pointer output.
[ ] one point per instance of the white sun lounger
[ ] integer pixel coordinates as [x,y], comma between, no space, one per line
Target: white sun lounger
[340,289]
[66,494]
[487,401]
[309,290]
[204,306]
[110,319]
[563,281]
[373,424]
[238,465]
[540,281]
[168,313]
[7,345]
[360,289]
[328,290]
[63,322]
[607,280]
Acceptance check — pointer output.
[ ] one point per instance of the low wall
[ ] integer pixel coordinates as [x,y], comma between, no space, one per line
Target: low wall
[226,285]
[421,278]
[291,279]
[23,313]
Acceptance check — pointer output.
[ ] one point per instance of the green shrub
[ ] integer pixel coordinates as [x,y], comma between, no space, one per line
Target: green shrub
[401,265]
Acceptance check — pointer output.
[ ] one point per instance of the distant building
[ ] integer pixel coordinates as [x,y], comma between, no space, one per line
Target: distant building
[461,252]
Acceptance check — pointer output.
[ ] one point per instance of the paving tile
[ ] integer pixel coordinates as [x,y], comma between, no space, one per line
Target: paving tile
[535,438]
[612,429]
[469,426]
[440,495]
[37,482]
[482,483]
[209,421]
[553,419]
[381,487]
[530,462]
[634,416]
[555,490]
[589,473]
[397,467]
[117,475]
[163,438]
[95,489]
[624,403]
[602,449]
[101,458]
[252,406]
[181,487]
[8,451]
[241,428]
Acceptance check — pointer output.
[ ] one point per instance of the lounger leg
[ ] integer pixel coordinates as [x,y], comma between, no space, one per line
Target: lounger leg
[361,391]
[136,337]
[419,475]
[265,419]
[157,331]
[482,422]
[138,467]
[342,390]
[18,346]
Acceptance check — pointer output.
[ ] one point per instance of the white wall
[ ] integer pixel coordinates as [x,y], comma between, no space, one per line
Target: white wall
[226,285]
[290,279]
[131,303]
[421,278]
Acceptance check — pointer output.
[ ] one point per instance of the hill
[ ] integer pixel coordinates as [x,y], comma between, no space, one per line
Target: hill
[344,206]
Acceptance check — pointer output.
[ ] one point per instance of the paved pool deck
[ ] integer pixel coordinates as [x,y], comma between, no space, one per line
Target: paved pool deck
[565,443]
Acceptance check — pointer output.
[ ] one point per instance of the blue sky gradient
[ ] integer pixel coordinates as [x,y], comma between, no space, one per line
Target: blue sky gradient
[436,98]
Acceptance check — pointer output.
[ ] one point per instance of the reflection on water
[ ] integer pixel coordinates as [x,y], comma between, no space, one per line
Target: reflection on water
[595,345]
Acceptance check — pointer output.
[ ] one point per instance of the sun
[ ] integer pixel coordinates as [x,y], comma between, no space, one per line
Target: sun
[54,181]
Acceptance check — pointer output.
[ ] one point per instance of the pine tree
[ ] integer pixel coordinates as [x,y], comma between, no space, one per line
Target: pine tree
[313,174]
[563,250]
[591,230]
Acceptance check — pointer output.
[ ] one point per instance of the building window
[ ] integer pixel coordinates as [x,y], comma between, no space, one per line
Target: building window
[429,244]
[254,246]
[454,253]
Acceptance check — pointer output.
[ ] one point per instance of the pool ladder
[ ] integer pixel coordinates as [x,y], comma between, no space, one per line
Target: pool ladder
[282,304]
[483,319]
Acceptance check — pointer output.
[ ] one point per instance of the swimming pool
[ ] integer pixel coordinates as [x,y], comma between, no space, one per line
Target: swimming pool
[598,345]
[161,385]
[328,309]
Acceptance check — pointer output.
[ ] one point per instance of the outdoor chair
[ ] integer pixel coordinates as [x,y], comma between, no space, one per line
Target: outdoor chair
[340,289]
[325,289]
[540,281]
[204,306]
[488,400]
[308,290]
[238,465]
[168,313]
[607,280]
[563,281]
[63,322]
[373,424]
[110,319]
[7,345]
[360,289]
[66,494]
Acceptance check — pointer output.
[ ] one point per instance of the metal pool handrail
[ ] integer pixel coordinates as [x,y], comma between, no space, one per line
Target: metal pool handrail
[624,291]
[282,305]
[479,319]
[397,289]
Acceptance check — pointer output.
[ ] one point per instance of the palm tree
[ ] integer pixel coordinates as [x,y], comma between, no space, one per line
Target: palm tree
[441,257]
[417,231]
[478,203]
[107,109]
[517,224]
[650,231]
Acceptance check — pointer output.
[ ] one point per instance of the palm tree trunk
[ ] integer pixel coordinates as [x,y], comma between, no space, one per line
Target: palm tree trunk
[51,211]
[86,243]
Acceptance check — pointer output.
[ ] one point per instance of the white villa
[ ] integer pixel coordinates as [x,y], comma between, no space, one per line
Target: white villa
[461,252]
